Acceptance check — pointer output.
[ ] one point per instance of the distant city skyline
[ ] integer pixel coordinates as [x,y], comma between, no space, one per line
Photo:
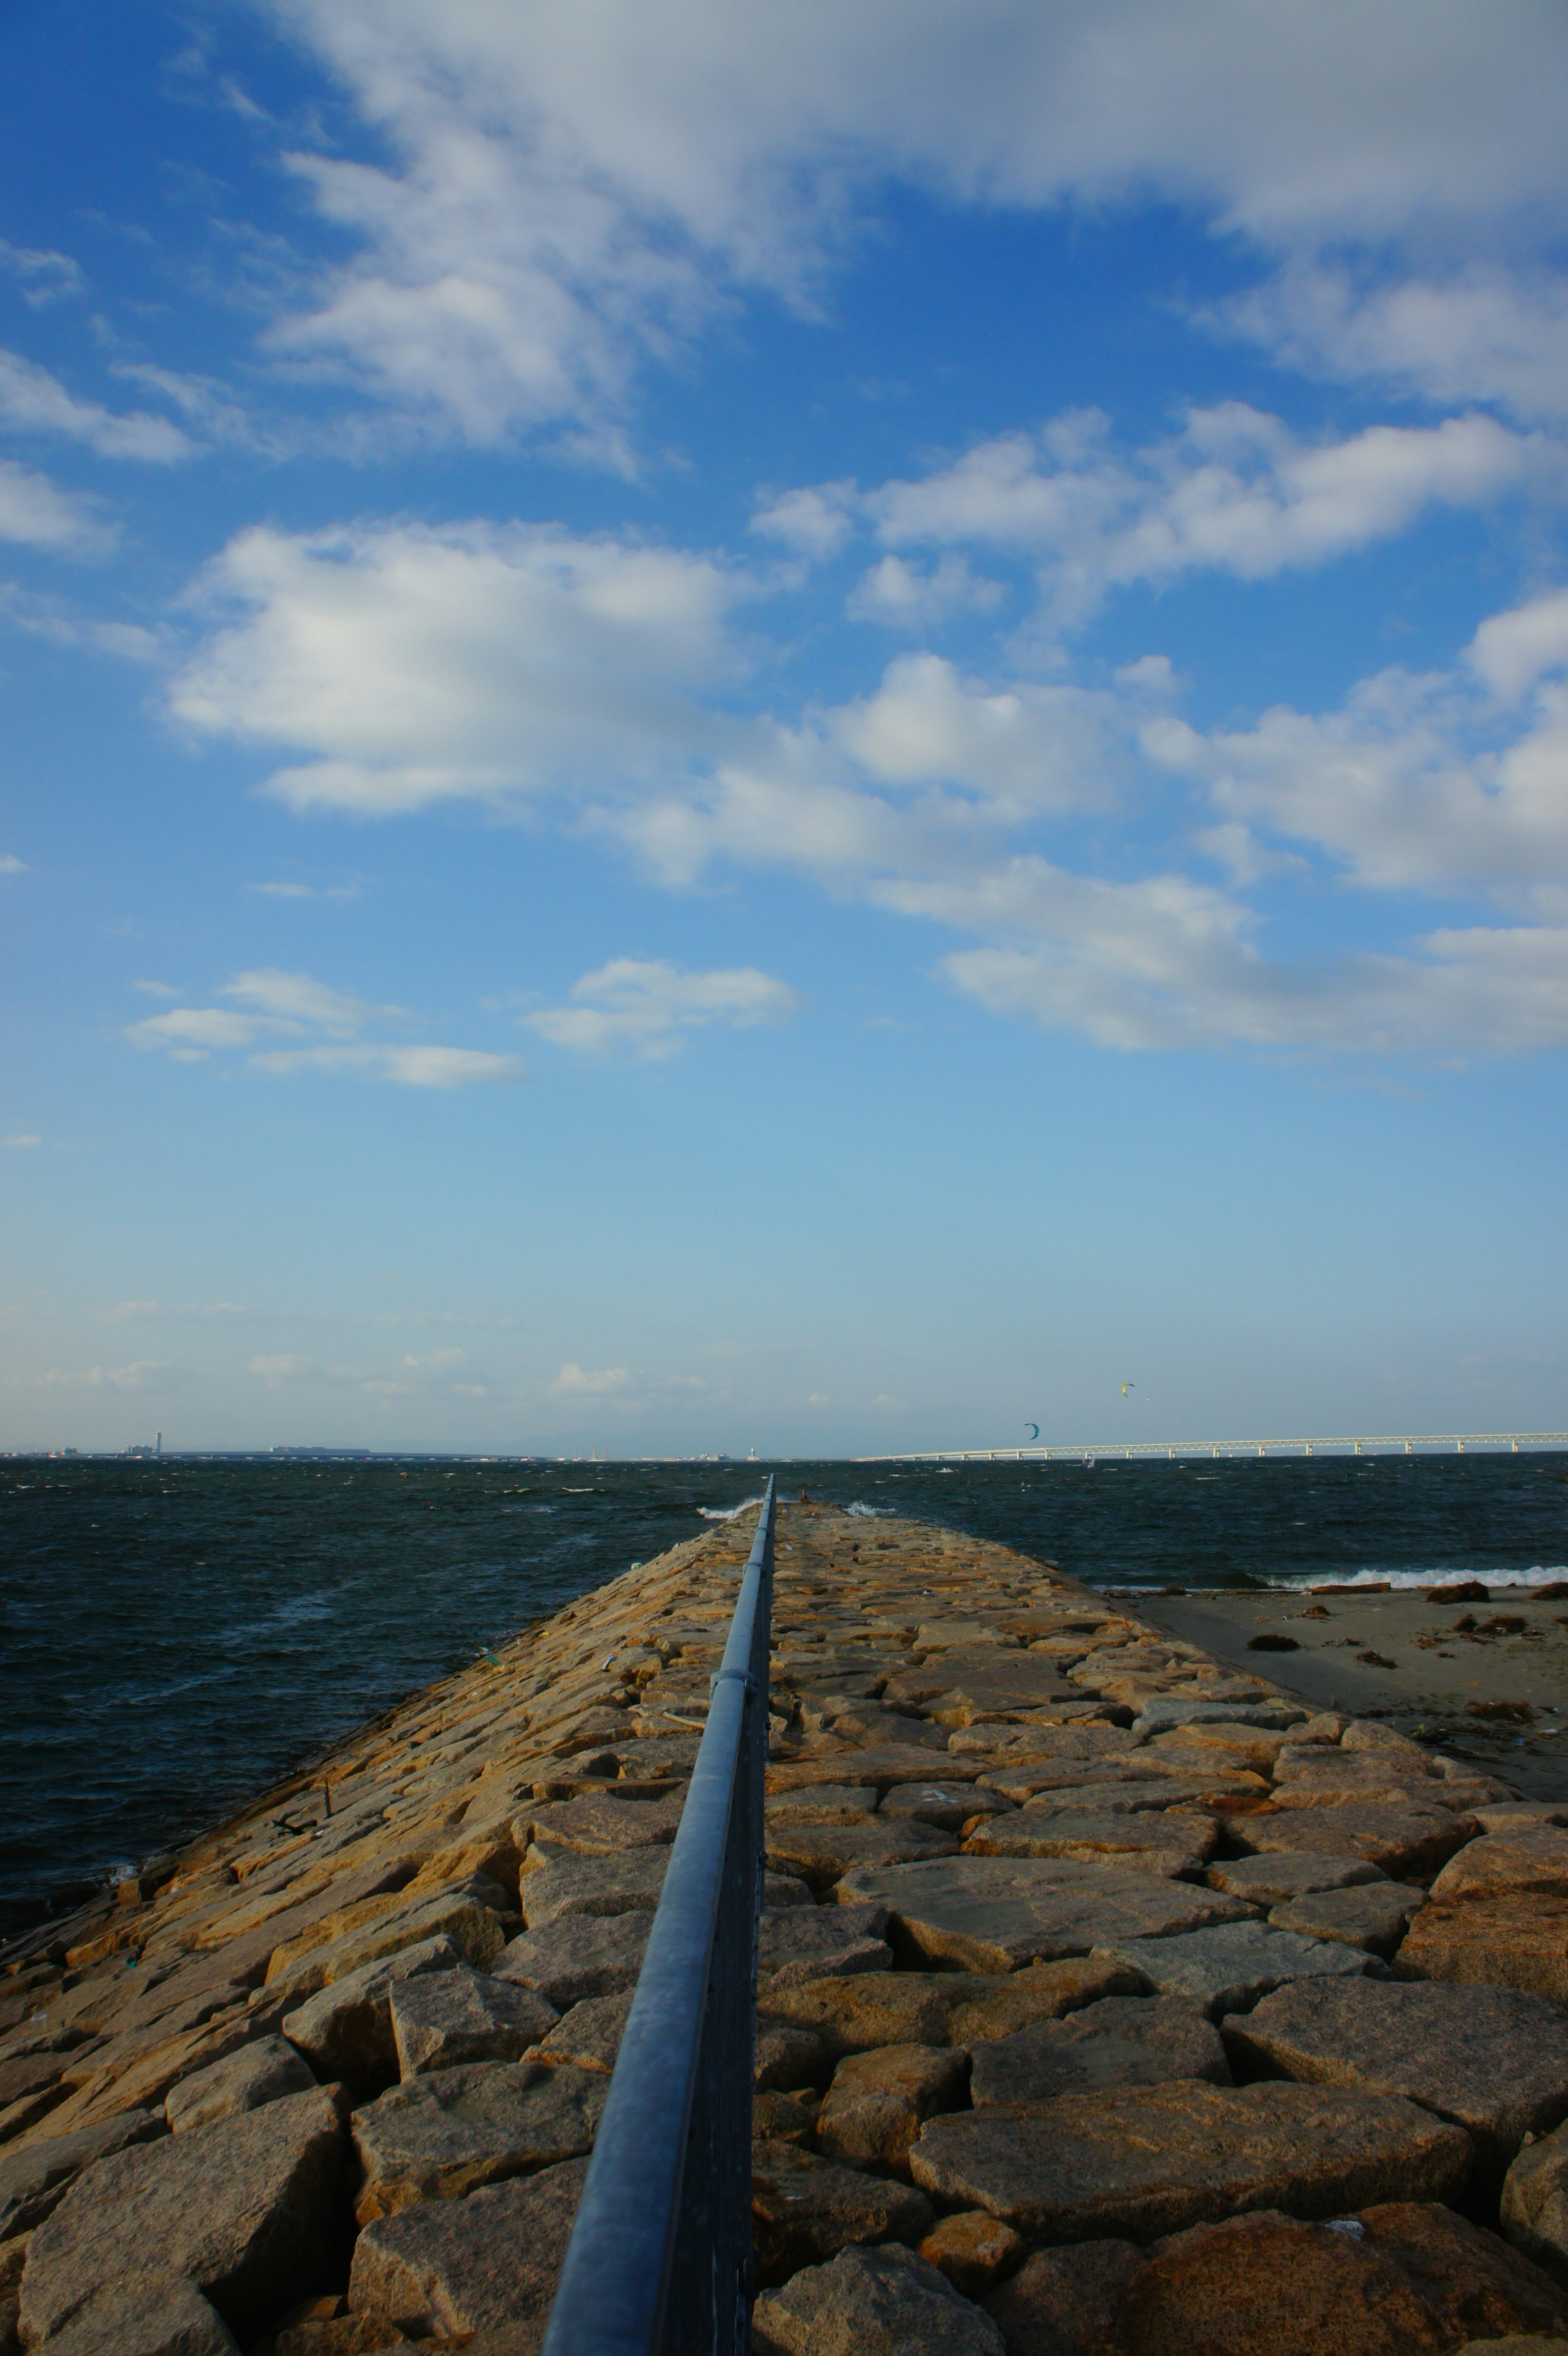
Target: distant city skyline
[830,730]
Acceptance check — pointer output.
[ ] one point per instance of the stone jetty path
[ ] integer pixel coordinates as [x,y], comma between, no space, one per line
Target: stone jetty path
[1112,2002]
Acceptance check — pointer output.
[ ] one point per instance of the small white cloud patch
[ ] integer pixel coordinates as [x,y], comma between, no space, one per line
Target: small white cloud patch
[292,1023]
[648,1009]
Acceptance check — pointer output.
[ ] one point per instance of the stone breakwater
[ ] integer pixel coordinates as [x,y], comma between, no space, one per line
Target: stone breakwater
[1112,2002]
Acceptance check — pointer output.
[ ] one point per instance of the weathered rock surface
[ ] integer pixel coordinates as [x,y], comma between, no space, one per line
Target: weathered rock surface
[1273,1880]
[805,2209]
[261,2072]
[972,2250]
[601,1827]
[148,2317]
[872,2009]
[1410,1844]
[823,1854]
[246,2211]
[824,1804]
[1492,2059]
[1374,1917]
[878,2102]
[807,1942]
[1139,2165]
[557,1882]
[879,2302]
[441,2020]
[440,2138]
[484,2264]
[589,2037]
[577,1955]
[469,1915]
[1169,1841]
[1502,1864]
[1119,2041]
[345,2030]
[993,1914]
[1535,2200]
[36,2176]
[1401,2279]
[1519,1940]
[1227,1968]
[949,1806]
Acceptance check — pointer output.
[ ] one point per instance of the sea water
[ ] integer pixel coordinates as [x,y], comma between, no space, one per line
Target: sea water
[178,1634]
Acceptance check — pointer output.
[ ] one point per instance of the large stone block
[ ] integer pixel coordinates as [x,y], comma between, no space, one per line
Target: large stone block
[1505,1864]
[441,2020]
[35,2178]
[873,2008]
[1535,2200]
[263,2072]
[1171,1841]
[345,2030]
[804,2209]
[1409,1844]
[487,2263]
[994,1913]
[1517,1940]
[1403,2279]
[878,2302]
[1493,2059]
[877,2102]
[1227,1968]
[577,1955]
[823,1855]
[1375,1917]
[1139,2164]
[1119,2041]
[440,2138]
[247,2209]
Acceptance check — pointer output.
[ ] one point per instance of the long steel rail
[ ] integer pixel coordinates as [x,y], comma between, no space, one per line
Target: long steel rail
[659,2259]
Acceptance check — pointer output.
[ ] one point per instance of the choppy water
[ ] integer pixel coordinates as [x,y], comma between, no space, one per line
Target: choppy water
[176,1636]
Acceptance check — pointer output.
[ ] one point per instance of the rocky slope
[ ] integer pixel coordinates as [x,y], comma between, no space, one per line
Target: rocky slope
[1110,2000]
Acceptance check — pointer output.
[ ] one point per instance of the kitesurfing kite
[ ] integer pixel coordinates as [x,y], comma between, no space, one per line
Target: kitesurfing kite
[1128,1387]
[1033,1432]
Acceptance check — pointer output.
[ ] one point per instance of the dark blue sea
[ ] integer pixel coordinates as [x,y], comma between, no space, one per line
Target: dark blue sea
[179,1634]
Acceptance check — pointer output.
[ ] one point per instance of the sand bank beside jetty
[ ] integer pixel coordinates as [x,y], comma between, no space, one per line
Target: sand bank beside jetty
[1113,1994]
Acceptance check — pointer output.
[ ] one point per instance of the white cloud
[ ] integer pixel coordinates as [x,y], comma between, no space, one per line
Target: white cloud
[557,193]
[33,402]
[274,1005]
[163,1310]
[35,513]
[574,1381]
[45,276]
[133,1377]
[1409,785]
[411,666]
[813,523]
[648,1008]
[11,865]
[903,597]
[1026,747]
[21,1140]
[281,1368]
[1485,332]
[1233,491]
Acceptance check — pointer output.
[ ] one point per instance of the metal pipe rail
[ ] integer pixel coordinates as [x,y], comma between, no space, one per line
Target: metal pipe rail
[659,2259]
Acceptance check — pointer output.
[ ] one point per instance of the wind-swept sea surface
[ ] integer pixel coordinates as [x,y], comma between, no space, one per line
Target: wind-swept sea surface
[178,1634]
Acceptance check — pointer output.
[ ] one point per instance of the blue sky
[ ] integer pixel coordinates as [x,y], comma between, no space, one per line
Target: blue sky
[814,728]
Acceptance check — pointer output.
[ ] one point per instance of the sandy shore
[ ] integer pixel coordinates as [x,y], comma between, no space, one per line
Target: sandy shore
[1398,1656]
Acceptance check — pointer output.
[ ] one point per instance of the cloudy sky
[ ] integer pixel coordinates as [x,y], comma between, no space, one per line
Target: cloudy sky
[814,727]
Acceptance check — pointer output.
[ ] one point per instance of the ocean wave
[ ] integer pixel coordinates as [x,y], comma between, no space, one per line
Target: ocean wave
[1445,1575]
[728,1513]
[869,1512]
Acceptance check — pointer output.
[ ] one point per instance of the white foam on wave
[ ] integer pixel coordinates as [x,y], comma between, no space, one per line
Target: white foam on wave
[728,1513]
[1445,1575]
[868,1513]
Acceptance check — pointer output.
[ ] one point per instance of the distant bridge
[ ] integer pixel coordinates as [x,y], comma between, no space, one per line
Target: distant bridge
[1405,1443]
